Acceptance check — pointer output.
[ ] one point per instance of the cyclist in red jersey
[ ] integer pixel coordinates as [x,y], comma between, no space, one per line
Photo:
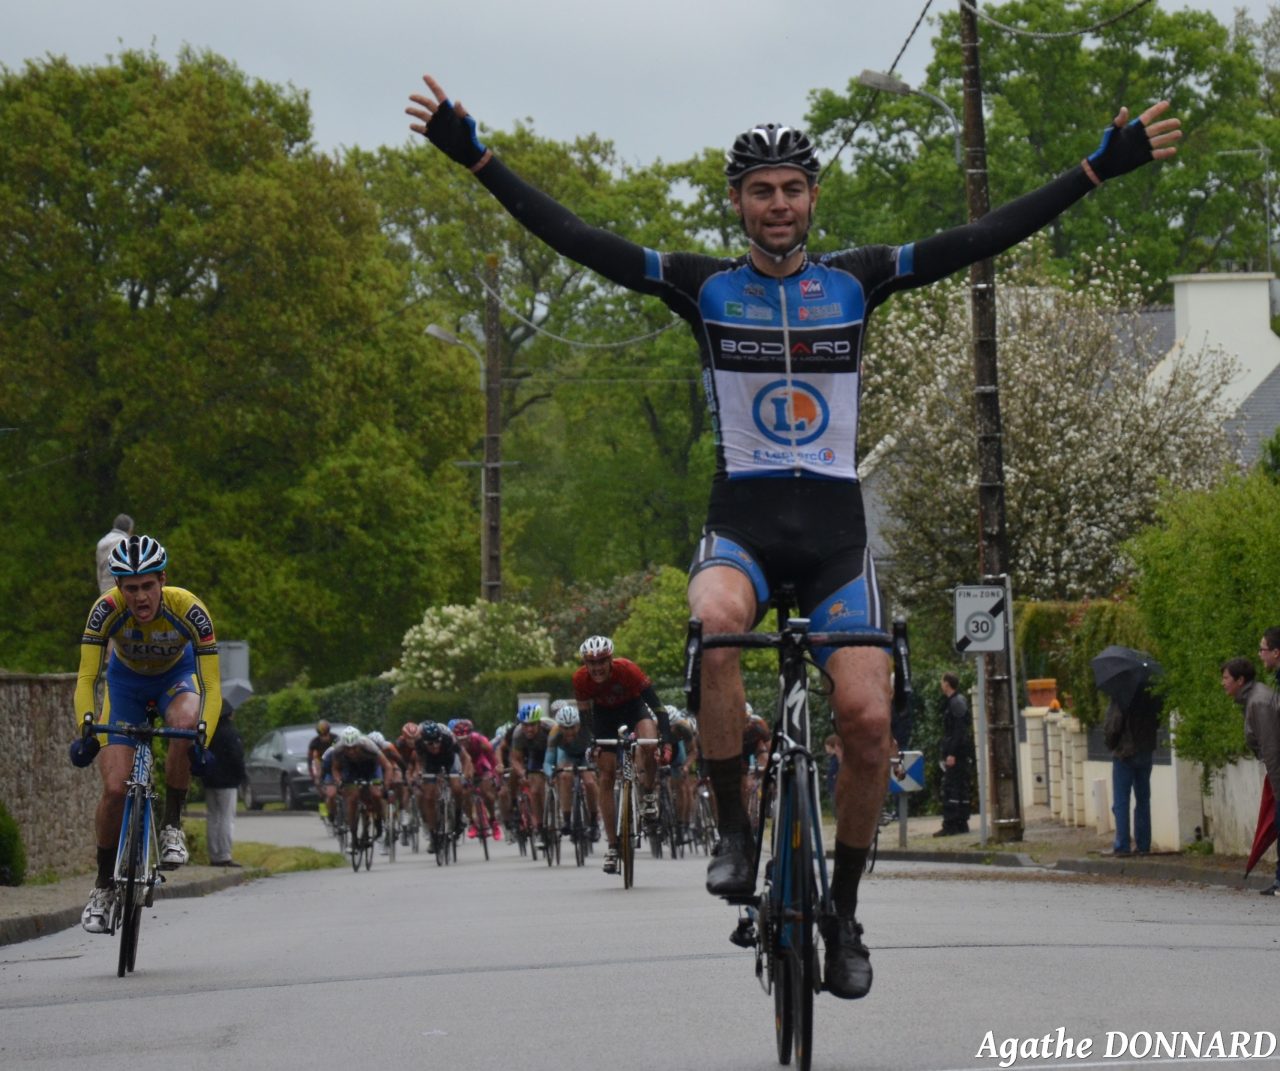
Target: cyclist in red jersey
[616,692]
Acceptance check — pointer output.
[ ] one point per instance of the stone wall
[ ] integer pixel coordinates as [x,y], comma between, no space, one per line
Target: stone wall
[51,800]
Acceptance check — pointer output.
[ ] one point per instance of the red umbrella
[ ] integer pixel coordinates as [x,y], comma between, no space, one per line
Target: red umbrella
[1265,835]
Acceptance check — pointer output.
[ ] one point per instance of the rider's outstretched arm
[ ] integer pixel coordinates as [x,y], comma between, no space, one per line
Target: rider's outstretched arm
[1125,147]
[452,130]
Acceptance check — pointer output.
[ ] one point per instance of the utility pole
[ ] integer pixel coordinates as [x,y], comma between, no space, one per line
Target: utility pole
[491,533]
[1002,742]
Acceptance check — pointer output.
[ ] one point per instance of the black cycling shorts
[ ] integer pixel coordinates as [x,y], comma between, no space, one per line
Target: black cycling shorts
[606,723]
[811,534]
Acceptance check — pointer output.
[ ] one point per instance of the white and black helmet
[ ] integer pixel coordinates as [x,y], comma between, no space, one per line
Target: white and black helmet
[568,717]
[770,145]
[596,647]
[136,556]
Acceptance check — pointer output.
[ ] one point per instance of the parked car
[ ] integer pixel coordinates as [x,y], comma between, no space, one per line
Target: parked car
[276,768]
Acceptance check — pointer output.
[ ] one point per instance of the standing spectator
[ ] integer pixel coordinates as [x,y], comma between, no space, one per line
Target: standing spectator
[1261,730]
[1130,734]
[957,743]
[835,751]
[220,787]
[1269,651]
[122,528]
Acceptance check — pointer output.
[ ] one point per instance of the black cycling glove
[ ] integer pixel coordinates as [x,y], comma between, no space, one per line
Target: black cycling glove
[83,750]
[1123,149]
[455,137]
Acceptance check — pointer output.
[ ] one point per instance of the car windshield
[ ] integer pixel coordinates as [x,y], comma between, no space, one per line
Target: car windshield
[296,741]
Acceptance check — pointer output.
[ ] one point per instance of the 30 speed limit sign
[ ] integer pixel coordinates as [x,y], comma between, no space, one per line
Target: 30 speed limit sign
[980,619]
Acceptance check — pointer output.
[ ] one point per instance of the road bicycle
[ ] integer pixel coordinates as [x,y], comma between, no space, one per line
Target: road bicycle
[411,820]
[793,904]
[360,838]
[703,820]
[665,835]
[627,794]
[523,808]
[137,872]
[580,826]
[444,832]
[551,823]
[391,826]
[480,816]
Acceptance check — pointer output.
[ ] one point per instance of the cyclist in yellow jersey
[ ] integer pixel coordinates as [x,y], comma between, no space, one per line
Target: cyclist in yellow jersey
[162,650]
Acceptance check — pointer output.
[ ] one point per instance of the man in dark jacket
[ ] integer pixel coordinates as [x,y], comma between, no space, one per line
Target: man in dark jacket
[957,744]
[1261,730]
[220,786]
[1130,733]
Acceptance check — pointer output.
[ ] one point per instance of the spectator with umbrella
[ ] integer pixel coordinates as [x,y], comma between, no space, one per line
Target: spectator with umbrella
[1262,735]
[1125,675]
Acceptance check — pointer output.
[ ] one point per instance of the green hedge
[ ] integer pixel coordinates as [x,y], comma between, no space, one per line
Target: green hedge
[13,855]
[363,702]
[1059,639]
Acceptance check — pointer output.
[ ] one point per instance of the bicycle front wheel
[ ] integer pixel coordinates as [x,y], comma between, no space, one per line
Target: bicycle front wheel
[578,823]
[800,896]
[627,837]
[353,843]
[130,887]
[481,813]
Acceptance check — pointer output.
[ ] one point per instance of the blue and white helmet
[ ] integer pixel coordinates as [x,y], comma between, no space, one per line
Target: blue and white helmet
[136,556]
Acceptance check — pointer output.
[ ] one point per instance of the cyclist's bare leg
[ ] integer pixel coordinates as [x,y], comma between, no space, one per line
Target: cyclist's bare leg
[725,601]
[592,792]
[115,763]
[349,798]
[430,793]
[861,705]
[538,795]
[647,762]
[607,762]
[183,713]
[565,780]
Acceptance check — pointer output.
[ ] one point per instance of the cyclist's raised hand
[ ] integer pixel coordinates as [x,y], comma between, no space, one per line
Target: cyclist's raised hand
[448,126]
[1128,145]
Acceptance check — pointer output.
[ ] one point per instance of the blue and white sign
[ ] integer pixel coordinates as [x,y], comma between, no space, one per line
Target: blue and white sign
[912,779]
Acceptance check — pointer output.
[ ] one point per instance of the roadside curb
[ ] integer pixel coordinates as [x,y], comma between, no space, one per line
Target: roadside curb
[1106,868]
[41,923]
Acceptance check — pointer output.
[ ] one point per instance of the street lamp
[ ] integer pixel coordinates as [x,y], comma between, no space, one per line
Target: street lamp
[490,468]
[887,83]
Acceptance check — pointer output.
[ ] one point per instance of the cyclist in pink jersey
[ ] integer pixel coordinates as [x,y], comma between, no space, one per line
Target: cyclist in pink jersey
[483,763]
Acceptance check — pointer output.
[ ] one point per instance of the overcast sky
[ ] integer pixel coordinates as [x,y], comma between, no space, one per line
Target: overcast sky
[662,78]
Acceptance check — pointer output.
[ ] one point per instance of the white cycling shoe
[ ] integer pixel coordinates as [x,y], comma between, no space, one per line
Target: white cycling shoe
[173,848]
[96,917]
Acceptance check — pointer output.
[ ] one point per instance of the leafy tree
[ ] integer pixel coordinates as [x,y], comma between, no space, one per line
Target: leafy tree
[1046,101]
[1087,440]
[201,323]
[609,439]
[1206,569]
[454,645]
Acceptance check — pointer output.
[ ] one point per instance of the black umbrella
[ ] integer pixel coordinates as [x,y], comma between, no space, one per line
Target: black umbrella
[1120,672]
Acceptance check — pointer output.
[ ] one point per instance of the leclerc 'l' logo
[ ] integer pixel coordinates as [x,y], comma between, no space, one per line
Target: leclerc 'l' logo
[793,414]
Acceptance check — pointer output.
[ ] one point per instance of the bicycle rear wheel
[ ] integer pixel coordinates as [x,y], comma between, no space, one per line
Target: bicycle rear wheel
[130,887]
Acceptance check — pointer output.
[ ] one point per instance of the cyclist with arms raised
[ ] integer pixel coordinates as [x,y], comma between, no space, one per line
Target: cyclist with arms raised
[616,692]
[162,650]
[781,335]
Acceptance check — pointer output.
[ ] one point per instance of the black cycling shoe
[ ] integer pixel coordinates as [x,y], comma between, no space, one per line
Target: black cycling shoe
[745,935]
[730,872]
[847,965]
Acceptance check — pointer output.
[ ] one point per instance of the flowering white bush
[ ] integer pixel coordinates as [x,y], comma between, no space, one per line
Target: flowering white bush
[1087,439]
[455,644]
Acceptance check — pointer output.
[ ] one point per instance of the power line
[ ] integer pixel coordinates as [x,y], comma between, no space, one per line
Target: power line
[1048,36]
[866,112]
[579,344]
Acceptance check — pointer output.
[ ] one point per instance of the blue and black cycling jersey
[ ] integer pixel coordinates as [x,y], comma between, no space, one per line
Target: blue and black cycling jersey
[782,357]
